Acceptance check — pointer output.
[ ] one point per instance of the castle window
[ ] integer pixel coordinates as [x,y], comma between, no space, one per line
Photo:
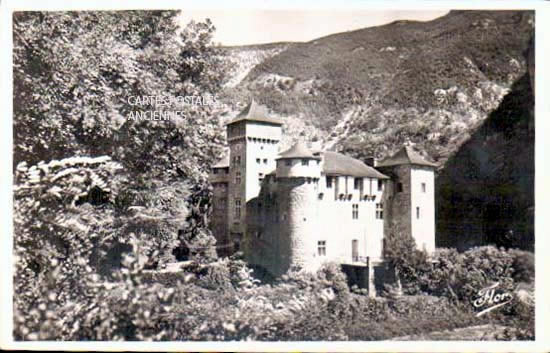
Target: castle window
[258,160]
[379,211]
[238,178]
[305,162]
[288,162]
[358,183]
[355,250]
[329,182]
[417,212]
[380,185]
[265,160]
[238,208]
[355,211]
[322,247]
[237,160]
[423,187]
[399,187]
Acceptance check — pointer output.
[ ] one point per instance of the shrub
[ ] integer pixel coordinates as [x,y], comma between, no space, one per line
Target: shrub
[461,275]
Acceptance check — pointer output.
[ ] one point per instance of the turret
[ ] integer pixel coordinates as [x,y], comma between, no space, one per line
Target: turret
[298,172]
[410,199]
[298,161]
[253,137]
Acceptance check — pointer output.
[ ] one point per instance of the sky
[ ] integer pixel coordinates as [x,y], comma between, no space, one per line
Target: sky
[249,26]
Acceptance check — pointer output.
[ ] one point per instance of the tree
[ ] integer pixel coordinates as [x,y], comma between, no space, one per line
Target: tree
[92,188]
[407,261]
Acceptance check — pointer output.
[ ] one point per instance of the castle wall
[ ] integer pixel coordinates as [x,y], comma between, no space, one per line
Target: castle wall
[338,227]
[260,160]
[263,131]
[282,221]
[218,221]
[291,216]
[397,204]
[288,168]
[422,201]
[299,222]
[236,210]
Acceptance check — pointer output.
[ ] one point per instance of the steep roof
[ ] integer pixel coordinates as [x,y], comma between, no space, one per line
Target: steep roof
[405,155]
[255,112]
[298,150]
[338,164]
[222,163]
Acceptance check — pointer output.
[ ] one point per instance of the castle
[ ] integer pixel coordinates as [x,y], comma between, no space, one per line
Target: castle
[302,207]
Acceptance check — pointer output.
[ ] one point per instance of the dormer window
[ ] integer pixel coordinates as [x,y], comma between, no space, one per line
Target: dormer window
[288,162]
[215,171]
[305,162]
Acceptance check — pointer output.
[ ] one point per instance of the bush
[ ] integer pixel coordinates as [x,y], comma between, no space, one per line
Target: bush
[460,276]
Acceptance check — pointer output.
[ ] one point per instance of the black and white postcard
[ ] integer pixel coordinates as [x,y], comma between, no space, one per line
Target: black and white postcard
[261,177]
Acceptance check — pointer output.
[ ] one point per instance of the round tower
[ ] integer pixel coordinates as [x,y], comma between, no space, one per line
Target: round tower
[298,173]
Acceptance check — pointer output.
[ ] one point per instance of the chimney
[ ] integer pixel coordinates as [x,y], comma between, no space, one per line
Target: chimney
[370,161]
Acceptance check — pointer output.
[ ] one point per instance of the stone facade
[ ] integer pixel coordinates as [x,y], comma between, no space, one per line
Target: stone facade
[301,208]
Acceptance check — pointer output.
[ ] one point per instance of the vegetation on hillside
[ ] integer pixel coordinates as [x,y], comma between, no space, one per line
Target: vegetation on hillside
[430,83]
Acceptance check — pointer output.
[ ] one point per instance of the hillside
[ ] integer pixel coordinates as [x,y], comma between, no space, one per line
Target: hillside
[244,58]
[430,83]
[485,192]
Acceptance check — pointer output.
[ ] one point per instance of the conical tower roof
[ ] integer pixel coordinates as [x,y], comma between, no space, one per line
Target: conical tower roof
[405,155]
[255,112]
[298,150]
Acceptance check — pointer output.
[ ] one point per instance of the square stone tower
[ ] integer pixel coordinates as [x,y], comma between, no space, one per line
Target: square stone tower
[253,137]
[410,198]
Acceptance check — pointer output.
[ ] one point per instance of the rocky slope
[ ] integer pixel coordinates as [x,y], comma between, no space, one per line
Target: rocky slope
[430,83]
[485,192]
[244,58]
